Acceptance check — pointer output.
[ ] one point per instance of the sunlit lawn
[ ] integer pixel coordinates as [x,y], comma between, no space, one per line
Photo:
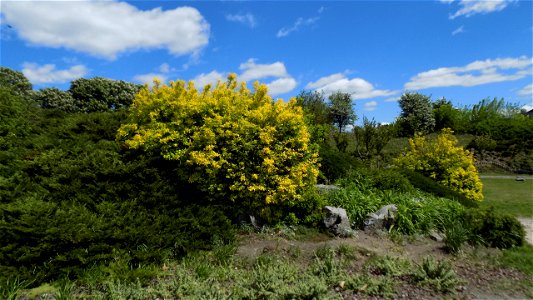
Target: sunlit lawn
[509,196]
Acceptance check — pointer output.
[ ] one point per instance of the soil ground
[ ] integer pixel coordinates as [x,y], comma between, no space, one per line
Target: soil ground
[480,277]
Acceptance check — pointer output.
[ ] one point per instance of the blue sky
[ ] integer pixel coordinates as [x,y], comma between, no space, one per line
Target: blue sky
[374,50]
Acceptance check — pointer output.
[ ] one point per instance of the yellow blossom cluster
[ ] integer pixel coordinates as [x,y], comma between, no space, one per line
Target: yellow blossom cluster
[234,144]
[445,162]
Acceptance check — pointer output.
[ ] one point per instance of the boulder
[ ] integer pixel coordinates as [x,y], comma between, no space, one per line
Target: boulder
[326,188]
[381,219]
[336,221]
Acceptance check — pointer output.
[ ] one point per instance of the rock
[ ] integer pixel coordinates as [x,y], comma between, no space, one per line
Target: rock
[437,236]
[520,178]
[381,219]
[336,220]
[326,188]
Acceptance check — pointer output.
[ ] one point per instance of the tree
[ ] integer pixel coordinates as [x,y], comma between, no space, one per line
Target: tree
[15,80]
[102,94]
[55,98]
[417,115]
[341,110]
[236,145]
[371,138]
[445,162]
[446,116]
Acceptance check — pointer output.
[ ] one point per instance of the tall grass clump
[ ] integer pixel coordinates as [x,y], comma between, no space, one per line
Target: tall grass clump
[418,212]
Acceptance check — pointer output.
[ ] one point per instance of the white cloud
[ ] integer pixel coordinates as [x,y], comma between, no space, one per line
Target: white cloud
[164,68]
[392,99]
[325,81]
[358,88]
[526,91]
[246,19]
[461,29]
[446,1]
[475,73]
[107,28]
[370,106]
[39,74]
[281,86]
[212,78]
[301,22]
[472,7]
[252,71]
[282,82]
[149,78]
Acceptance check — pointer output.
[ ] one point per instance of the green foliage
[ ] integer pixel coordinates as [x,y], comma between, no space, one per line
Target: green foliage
[445,162]
[102,94]
[482,143]
[457,234]
[341,110]
[235,145]
[447,116]
[55,98]
[417,115]
[371,138]
[520,258]
[438,274]
[430,186]
[497,230]
[70,199]
[335,164]
[15,81]
[390,266]
[417,212]
[388,179]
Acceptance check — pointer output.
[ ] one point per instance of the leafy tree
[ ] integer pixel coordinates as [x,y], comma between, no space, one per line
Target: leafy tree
[341,110]
[417,115]
[55,98]
[15,80]
[371,138]
[102,94]
[446,116]
[236,145]
[317,115]
[445,162]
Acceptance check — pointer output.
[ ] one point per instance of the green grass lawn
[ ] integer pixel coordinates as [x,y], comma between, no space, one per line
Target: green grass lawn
[509,196]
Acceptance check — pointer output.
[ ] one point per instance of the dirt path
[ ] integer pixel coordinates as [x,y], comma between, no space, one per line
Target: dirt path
[528,226]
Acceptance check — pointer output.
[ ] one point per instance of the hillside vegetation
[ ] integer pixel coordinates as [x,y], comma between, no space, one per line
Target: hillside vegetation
[106,184]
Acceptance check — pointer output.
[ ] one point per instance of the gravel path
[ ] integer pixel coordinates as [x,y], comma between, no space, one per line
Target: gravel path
[528,226]
[526,177]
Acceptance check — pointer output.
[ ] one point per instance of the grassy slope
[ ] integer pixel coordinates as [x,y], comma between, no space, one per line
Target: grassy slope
[509,196]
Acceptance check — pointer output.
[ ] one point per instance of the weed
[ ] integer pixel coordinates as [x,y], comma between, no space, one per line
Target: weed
[389,266]
[456,236]
[11,288]
[64,289]
[437,274]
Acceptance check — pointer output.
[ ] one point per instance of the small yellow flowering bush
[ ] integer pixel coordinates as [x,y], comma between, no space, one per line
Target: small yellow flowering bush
[235,144]
[445,162]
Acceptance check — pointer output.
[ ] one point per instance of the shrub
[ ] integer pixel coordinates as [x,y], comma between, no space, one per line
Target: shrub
[495,229]
[444,162]
[390,180]
[237,146]
[429,185]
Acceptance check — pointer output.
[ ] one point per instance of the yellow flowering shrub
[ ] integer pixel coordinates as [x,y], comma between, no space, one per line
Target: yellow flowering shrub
[235,144]
[444,161]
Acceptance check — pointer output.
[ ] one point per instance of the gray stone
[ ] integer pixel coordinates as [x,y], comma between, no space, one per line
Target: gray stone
[381,219]
[326,188]
[437,236]
[336,221]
